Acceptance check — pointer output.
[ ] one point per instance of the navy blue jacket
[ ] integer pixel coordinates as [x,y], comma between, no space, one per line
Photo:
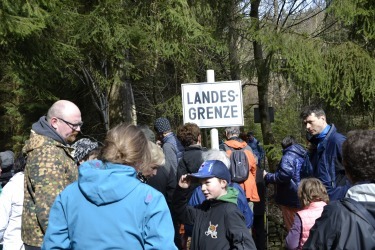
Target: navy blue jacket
[327,163]
[287,176]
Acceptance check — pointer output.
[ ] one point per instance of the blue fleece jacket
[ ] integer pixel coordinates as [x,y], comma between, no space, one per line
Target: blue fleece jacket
[109,208]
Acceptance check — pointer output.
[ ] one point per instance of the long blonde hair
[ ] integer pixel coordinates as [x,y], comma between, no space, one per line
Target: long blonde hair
[126,144]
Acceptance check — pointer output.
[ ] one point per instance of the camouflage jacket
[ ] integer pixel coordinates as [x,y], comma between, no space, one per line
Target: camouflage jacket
[49,169]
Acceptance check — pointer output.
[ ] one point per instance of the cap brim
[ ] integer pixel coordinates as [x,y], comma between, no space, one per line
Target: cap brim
[201,176]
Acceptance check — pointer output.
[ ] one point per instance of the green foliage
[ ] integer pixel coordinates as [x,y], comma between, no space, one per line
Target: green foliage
[20,19]
[356,13]
[287,121]
[53,49]
[273,154]
[333,72]
[304,61]
[350,71]
[171,107]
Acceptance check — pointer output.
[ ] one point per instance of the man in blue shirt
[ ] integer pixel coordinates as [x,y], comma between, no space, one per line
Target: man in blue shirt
[325,151]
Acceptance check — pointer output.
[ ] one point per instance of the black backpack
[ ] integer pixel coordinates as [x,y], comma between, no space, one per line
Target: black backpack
[239,165]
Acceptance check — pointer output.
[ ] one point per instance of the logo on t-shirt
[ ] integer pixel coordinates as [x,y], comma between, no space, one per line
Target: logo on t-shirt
[212,230]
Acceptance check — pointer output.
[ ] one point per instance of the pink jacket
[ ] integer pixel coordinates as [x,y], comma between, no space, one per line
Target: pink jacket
[308,217]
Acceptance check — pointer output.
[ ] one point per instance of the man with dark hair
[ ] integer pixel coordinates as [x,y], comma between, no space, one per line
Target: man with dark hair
[325,154]
[190,136]
[50,167]
[350,222]
[287,178]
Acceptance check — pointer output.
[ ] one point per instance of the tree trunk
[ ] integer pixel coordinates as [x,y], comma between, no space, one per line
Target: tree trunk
[263,75]
[98,96]
[233,42]
[122,104]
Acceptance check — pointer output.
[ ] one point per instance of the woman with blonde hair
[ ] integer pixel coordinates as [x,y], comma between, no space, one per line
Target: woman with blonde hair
[109,207]
[157,161]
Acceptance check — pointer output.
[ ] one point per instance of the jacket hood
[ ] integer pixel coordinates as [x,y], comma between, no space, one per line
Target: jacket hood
[36,141]
[230,196]
[42,127]
[105,182]
[362,192]
[236,144]
[297,149]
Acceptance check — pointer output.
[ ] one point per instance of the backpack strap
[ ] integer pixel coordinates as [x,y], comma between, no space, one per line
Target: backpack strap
[359,210]
[226,147]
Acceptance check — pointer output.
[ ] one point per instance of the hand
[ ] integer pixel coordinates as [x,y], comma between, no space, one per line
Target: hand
[184,181]
[264,173]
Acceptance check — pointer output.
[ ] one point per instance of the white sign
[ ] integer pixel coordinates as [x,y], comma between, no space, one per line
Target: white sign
[212,105]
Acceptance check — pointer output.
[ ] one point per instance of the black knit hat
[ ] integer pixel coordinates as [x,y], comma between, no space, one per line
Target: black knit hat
[82,147]
[162,125]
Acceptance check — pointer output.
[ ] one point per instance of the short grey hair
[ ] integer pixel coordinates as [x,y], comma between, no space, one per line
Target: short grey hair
[216,154]
[232,131]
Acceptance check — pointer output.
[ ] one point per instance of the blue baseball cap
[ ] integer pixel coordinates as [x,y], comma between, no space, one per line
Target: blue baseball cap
[213,168]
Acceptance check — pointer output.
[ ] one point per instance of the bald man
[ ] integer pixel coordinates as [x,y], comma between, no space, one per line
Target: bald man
[50,167]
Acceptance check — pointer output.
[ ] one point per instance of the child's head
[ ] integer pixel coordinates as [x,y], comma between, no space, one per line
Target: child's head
[83,148]
[310,190]
[214,177]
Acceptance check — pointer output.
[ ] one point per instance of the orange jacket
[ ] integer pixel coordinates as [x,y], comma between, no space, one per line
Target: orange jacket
[249,185]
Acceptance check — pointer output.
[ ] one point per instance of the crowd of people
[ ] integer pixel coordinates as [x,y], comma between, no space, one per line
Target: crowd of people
[157,189]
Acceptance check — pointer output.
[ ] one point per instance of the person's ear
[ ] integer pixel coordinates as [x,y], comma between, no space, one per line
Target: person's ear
[53,122]
[223,183]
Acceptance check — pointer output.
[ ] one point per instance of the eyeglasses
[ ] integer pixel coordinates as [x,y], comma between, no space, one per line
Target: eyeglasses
[72,125]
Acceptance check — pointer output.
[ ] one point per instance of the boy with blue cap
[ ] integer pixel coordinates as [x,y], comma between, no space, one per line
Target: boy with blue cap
[218,223]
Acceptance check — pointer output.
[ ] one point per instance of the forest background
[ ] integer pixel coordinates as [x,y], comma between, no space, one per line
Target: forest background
[125,61]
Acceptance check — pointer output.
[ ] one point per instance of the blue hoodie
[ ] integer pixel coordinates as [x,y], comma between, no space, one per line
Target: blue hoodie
[109,208]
